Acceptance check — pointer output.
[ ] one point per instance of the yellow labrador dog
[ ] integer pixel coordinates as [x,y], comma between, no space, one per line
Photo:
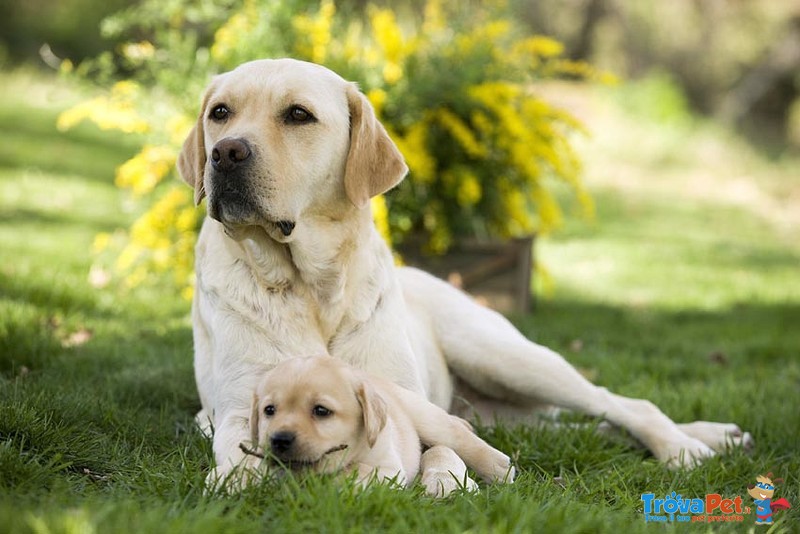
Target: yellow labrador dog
[321,414]
[289,262]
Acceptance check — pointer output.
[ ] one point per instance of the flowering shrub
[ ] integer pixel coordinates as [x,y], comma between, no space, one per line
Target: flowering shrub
[455,90]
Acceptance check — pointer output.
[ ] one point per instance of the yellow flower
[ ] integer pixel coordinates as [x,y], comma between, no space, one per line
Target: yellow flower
[538,46]
[146,169]
[315,31]
[136,277]
[469,190]
[380,214]
[138,52]
[389,37]
[461,132]
[353,46]
[489,34]
[187,219]
[228,37]
[483,123]
[494,94]
[392,72]
[414,147]
[435,223]
[178,127]
[377,98]
[550,215]
[434,20]
[128,257]
[101,242]
[188,291]
[387,33]
[114,111]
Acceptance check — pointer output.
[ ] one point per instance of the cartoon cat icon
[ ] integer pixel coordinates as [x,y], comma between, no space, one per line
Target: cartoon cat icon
[762,493]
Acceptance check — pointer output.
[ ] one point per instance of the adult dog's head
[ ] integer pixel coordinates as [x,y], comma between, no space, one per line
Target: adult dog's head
[280,140]
[315,413]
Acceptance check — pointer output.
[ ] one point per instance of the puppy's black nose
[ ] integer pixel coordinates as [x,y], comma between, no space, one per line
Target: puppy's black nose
[281,441]
[229,154]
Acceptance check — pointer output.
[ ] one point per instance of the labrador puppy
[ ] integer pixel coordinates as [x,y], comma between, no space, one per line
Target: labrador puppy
[323,415]
[289,262]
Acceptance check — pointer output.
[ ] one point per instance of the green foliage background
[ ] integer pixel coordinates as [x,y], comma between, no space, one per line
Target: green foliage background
[456,88]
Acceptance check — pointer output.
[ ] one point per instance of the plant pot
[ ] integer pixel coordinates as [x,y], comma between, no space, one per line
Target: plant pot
[497,273]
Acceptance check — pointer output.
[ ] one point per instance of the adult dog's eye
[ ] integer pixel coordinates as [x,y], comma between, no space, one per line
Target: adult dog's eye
[219,113]
[269,410]
[321,411]
[299,115]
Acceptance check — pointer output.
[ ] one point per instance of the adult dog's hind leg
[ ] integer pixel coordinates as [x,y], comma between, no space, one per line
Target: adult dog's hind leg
[485,350]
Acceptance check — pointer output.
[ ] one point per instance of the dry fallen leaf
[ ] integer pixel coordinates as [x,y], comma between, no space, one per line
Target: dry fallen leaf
[576,345]
[98,277]
[718,357]
[76,339]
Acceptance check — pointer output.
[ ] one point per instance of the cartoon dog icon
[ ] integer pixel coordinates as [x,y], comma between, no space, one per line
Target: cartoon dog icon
[762,493]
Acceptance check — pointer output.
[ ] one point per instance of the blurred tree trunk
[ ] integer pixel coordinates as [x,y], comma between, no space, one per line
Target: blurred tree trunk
[767,90]
[583,44]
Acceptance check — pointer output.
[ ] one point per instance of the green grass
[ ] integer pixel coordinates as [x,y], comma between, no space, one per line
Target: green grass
[681,292]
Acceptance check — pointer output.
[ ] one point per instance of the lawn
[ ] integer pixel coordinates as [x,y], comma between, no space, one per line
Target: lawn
[684,290]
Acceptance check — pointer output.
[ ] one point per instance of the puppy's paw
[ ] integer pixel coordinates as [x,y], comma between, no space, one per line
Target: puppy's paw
[233,479]
[686,453]
[719,436]
[440,484]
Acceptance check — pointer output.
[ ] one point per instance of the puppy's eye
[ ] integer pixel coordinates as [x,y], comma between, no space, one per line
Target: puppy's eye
[321,411]
[269,410]
[299,115]
[219,113]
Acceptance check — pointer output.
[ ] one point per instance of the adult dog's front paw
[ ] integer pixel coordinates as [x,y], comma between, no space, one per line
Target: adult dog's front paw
[495,467]
[719,436]
[685,453]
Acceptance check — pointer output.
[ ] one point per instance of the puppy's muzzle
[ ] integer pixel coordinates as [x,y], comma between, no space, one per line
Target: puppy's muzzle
[229,154]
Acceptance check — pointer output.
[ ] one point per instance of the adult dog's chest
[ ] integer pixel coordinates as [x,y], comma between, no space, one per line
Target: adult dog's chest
[292,303]
[297,318]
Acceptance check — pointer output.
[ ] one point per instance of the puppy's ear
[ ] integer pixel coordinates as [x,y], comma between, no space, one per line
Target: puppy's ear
[192,159]
[374,164]
[254,414]
[373,408]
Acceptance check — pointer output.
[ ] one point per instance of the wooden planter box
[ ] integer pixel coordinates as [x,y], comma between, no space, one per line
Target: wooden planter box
[498,274]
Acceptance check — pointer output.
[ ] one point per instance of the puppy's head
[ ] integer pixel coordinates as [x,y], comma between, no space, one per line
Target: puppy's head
[280,140]
[315,413]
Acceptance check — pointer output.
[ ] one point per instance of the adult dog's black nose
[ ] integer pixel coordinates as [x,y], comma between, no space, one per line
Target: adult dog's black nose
[229,154]
[281,441]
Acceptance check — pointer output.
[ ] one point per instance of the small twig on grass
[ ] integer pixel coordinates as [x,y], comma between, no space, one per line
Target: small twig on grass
[250,452]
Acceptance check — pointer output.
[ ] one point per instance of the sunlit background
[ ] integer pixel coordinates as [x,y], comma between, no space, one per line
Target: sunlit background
[650,149]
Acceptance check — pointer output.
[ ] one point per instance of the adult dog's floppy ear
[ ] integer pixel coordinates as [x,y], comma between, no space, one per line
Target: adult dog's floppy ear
[373,408]
[374,164]
[192,159]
